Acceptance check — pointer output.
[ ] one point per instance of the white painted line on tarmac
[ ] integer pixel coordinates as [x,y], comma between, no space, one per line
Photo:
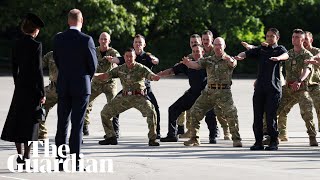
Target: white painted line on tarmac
[8,177]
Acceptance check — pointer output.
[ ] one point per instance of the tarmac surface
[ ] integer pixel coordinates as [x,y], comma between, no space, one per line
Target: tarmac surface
[133,159]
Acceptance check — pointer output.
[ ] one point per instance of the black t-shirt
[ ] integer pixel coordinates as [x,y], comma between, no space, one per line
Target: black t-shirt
[143,58]
[269,71]
[197,78]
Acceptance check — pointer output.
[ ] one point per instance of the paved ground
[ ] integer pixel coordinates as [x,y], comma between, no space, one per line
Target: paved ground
[134,160]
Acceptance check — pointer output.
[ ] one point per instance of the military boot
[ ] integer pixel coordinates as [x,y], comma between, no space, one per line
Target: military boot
[185,135]
[313,141]
[153,143]
[194,141]
[283,137]
[237,143]
[109,141]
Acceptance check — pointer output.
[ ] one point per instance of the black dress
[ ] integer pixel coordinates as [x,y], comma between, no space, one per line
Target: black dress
[20,125]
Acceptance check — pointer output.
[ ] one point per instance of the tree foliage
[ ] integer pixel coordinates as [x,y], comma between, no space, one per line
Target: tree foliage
[167,24]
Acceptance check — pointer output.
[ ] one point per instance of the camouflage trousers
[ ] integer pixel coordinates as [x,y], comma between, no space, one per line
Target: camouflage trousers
[314,92]
[122,103]
[289,99]
[186,117]
[218,99]
[51,100]
[110,91]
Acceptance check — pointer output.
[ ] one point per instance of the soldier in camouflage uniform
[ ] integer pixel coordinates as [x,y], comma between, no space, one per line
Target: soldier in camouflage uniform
[295,91]
[207,40]
[314,82]
[217,93]
[109,88]
[51,94]
[132,76]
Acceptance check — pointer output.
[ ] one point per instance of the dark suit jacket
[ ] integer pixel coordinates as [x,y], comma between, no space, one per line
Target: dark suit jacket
[75,69]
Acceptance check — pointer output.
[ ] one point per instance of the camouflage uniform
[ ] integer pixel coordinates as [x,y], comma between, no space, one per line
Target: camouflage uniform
[294,67]
[51,94]
[217,94]
[98,87]
[132,80]
[222,120]
[314,85]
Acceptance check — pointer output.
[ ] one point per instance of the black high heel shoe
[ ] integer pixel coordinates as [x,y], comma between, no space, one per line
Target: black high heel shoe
[21,161]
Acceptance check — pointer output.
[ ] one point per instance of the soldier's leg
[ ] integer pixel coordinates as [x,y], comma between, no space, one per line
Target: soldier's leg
[199,109]
[314,92]
[305,104]
[155,104]
[117,105]
[51,100]
[212,126]
[180,122]
[224,123]
[188,125]
[110,90]
[147,110]
[95,92]
[224,100]
[182,118]
[286,103]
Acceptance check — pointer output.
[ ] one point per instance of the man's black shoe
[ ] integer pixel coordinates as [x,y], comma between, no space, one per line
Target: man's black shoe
[257,147]
[212,140]
[153,143]
[85,130]
[109,141]
[180,130]
[169,139]
[272,147]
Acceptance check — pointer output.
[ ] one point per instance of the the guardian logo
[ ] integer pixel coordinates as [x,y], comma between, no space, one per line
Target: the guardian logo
[49,164]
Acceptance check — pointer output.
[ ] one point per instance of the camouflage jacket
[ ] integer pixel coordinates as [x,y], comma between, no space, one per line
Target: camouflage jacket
[48,62]
[315,76]
[295,64]
[131,79]
[103,64]
[218,70]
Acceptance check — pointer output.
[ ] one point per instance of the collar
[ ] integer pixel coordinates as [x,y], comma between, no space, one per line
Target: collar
[274,46]
[76,28]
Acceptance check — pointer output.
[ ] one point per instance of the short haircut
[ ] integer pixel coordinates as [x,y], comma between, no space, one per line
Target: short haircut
[275,31]
[308,33]
[27,26]
[197,45]
[195,36]
[298,31]
[139,36]
[130,50]
[207,32]
[74,14]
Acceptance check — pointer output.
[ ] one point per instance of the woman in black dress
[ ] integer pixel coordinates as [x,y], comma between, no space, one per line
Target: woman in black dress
[21,125]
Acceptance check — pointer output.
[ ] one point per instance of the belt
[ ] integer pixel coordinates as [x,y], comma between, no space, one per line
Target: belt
[290,83]
[130,93]
[219,86]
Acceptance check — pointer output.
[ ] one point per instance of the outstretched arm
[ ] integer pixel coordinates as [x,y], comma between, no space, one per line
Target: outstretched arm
[190,64]
[282,57]
[167,72]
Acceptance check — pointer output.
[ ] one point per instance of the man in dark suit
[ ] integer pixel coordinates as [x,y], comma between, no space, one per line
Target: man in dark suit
[75,56]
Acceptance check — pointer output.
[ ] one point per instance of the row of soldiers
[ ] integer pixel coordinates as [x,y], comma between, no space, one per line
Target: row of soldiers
[215,96]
